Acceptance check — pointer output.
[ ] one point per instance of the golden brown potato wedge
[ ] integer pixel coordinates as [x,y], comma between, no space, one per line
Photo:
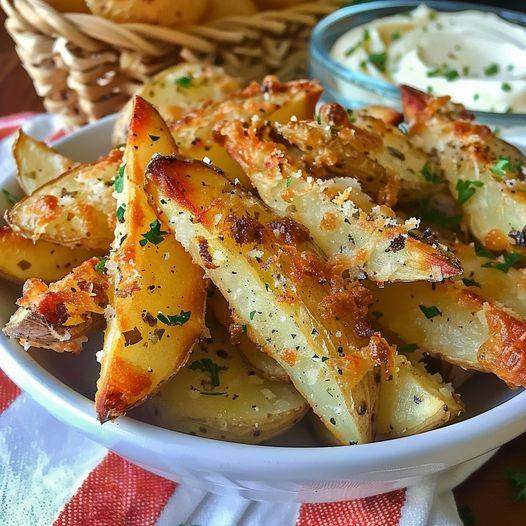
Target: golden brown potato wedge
[484,173]
[177,90]
[23,259]
[454,323]
[278,286]
[219,395]
[59,316]
[76,209]
[159,294]
[36,162]
[493,277]
[411,402]
[253,353]
[341,218]
[272,100]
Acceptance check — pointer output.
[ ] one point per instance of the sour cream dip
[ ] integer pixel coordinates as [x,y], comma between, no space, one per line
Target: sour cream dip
[477,58]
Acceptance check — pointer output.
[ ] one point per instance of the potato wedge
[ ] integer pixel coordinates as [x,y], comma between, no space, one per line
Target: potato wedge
[253,353]
[219,395]
[420,175]
[278,285]
[23,259]
[272,100]
[493,277]
[484,173]
[411,402]
[59,316]
[454,323]
[176,90]
[74,210]
[36,162]
[414,401]
[159,294]
[341,218]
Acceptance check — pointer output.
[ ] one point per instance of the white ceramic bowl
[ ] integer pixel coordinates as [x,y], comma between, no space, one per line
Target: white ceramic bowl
[293,467]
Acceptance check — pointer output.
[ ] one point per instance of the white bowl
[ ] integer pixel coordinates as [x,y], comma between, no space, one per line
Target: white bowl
[293,467]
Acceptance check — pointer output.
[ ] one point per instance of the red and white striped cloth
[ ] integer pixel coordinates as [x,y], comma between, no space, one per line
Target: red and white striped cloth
[52,475]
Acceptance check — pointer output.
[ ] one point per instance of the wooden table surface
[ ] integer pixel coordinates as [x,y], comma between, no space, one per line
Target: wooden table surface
[487,498]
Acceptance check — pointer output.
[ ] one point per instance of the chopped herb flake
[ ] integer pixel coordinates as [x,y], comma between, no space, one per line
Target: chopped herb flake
[184,82]
[482,252]
[206,365]
[10,198]
[120,213]
[505,86]
[430,312]
[155,235]
[504,266]
[445,72]
[378,60]
[501,165]
[395,36]
[491,70]
[428,175]
[174,319]
[252,314]
[289,181]
[118,183]
[470,282]
[466,189]
[100,267]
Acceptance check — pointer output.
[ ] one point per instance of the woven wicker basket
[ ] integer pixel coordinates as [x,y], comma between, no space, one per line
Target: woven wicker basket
[86,67]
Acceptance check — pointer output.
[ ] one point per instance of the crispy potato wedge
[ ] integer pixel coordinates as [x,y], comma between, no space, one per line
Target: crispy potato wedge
[59,316]
[484,173]
[23,259]
[411,402]
[491,276]
[159,294]
[74,210]
[177,90]
[219,395]
[420,175]
[253,353]
[341,218]
[454,323]
[278,286]
[272,100]
[36,162]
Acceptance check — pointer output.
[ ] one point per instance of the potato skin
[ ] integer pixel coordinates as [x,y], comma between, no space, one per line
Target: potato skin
[69,6]
[277,4]
[169,13]
[220,9]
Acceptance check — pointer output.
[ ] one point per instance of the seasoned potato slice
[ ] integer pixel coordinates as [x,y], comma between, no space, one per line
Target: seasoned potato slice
[58,317]
[455,324]
[414,401]
[219,395]
[272,100]
[341,218]
[420,175]
[253,353]
[76,209]
[484,173]
[159,294]
[22,258]
[36,162]
[278,286]
[493,277]
[411,402]
[178,89]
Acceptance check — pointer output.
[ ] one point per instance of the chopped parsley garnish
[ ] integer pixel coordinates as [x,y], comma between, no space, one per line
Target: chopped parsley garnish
[466,189]
[252,314]
[289,181]
[318,118]
[430,312]
[155,235]
[428,175]
[100,267]
[448,73]
[120,213]
[518,480]
[491,70]
[378,60]
[118,183]
[206,365]
[505,86]
[483,252]
[504,266]
[501,165]
[244,329]
[408,347]
[395,36]
[476,96]
[10,198]
[470,282]
[365,38]
[184,82]
[174,319]
[154,138]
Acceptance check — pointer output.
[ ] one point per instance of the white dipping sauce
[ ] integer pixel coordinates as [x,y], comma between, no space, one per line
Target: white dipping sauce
[477,58]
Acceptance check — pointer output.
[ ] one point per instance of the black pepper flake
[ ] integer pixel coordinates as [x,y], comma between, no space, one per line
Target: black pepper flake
[396,244]
[417,400]
[332,421]
[519,236]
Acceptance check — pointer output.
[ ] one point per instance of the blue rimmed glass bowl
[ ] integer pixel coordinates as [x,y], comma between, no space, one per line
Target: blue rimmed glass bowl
[353,88]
